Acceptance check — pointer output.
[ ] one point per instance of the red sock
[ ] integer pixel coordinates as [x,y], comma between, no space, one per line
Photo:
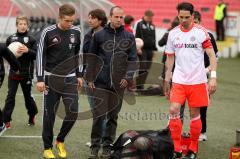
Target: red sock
[175,126]
[195,131]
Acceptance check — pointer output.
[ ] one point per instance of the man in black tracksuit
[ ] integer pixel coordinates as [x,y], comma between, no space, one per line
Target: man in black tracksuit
[58,75]
[145,30]
[26,72]
[114,46]
[6,54]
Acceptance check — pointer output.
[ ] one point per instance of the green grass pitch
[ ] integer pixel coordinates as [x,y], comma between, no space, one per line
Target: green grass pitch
[148,113]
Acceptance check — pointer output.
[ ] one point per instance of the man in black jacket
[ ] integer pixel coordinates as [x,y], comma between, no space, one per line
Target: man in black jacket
[97,19]
[145,30]
[28,51]
[6,54]
[114,46]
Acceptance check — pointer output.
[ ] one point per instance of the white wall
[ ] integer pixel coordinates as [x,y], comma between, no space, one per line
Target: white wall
[9,29]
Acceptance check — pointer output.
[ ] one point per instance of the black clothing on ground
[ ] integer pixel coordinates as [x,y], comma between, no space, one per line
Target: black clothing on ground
[144,144]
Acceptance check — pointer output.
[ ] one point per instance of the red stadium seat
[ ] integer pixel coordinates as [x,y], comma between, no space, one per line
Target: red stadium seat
[166,9]
[5,7]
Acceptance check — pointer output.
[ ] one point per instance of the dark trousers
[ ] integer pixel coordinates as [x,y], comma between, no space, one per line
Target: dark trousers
[145,64]
[1,81]
[90,97]
[1,118]
[203,113]
[220,29]
[65,88]
[26,85]
[108,104]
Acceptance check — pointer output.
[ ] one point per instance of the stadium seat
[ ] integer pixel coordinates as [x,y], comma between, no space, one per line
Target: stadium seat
[166,9]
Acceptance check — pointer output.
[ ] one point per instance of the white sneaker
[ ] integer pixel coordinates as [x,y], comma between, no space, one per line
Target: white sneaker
[88,144]
[202,137]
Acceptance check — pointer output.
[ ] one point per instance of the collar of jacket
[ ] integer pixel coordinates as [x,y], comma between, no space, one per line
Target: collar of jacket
[146,22]
[111,30]
[22,34]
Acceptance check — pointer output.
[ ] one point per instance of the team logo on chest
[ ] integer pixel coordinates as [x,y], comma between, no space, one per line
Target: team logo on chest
[144,26]
[151,27]
[26,39]
[72,38]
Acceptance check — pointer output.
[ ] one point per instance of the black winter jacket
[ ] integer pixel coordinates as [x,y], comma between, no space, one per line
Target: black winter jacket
[116,52]
[6,54]
[146,31]
[27,59]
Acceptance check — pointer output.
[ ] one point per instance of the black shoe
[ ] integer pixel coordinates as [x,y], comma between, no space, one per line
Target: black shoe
[2,129]
[106,153]
[177,155]
[31,120]
[93,153]
[190,155]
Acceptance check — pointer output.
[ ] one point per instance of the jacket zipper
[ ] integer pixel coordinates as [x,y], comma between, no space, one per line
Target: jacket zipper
[111,62]
[29,70]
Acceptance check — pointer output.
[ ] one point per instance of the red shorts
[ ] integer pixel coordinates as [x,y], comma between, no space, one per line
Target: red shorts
[196,95]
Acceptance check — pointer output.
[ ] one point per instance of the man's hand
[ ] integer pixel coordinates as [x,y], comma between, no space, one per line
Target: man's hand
[41,86]
[22,49]
[80,83]
[123,83]
[212,85]
[167,89]
[91,85]
[139,51]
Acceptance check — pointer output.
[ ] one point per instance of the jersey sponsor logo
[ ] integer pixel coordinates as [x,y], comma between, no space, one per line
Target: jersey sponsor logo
[26,39]
[185,45]
[14,38]
[70,46]
[55,40]
[192,38]
[72,38]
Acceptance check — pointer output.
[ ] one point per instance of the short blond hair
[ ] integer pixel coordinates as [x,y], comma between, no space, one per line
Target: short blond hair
[22,17]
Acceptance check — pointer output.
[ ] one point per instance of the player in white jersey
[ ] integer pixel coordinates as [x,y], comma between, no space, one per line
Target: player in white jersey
[186,45]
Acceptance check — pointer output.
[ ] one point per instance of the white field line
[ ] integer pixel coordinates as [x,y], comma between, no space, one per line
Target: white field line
[23,137]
